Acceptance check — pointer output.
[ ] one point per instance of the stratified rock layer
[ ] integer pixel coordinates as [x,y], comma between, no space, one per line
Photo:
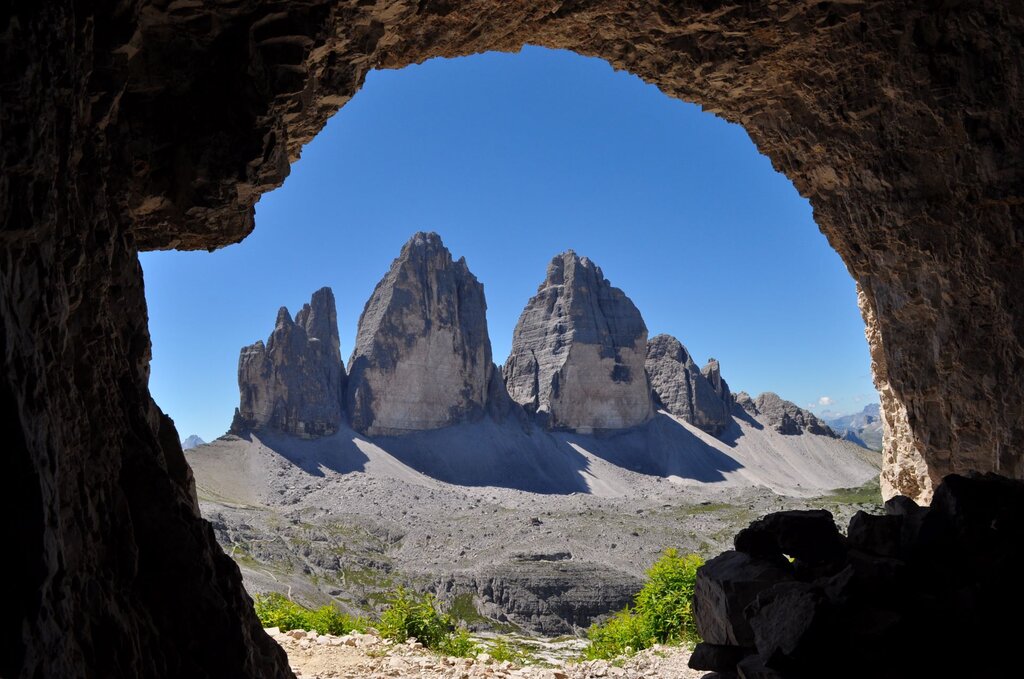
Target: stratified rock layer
[781,415]
[294,383]
[578,352]
[683,389]
[422,358]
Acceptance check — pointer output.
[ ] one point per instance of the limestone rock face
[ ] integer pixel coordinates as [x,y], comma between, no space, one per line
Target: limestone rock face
[683,389]
[904,468]
[422,358]
[781,415]
[578,352]
[294,383]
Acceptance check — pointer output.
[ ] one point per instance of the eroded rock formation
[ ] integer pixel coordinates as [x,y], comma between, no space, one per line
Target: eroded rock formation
[683,389]
[293,384]
[900,122]
[781,415]
[712,372]
[422,358]
[944,577]
[578,352]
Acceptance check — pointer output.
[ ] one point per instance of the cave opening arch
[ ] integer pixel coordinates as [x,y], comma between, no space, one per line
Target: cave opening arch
[875,148]
[901,125]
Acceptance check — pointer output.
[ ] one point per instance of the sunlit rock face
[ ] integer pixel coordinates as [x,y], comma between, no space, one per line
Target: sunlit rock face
[578,352]
[422,358]
[293,384]
[701,397]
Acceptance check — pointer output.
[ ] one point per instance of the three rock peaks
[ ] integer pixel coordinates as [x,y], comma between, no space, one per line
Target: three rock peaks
[580,360]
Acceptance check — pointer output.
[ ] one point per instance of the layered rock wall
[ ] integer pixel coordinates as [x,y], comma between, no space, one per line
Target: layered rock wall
[578,352]
[422,358]
[293,384]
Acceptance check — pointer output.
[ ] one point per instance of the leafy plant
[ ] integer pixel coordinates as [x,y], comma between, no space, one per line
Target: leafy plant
[409,614]
[662,611]
[500,650]
[277,610]
[459,645]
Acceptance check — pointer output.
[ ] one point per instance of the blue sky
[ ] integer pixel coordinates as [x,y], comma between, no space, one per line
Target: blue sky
[513,158]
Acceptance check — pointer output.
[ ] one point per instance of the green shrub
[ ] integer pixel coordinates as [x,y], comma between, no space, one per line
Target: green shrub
[409,614]
[459,645]
[662,611]
[500,650]
[277,610]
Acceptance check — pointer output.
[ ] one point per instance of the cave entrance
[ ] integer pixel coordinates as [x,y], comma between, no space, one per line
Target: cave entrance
[147,126]
[513,159]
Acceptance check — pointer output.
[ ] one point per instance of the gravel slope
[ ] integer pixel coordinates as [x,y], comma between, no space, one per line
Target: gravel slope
[543,531]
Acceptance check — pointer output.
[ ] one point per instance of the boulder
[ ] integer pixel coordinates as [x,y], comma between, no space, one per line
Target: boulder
[942,577]
[725,586]
[806,535]
[293,383]
[422,358]
[700,397]
[578,352]
[716,657]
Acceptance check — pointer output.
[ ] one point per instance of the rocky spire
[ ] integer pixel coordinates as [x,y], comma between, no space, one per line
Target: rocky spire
[422,358]
[578,352]
[700,397]
[294,383]
[712,372]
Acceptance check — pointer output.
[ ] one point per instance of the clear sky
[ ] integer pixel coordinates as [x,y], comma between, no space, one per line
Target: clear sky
[513,158]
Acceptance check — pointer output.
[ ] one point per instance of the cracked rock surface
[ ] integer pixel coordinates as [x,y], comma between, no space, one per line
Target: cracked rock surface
[422,358]
[578,351]
[293,384]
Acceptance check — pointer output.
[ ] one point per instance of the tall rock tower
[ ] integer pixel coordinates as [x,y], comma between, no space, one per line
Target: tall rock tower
[293,384]
[578,352]
[422,358]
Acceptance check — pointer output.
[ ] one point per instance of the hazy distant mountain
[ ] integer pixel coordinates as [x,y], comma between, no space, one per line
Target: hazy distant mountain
[863,428]
[192,442]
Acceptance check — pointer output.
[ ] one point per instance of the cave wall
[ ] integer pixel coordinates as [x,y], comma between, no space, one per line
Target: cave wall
[110,571]
[146,125]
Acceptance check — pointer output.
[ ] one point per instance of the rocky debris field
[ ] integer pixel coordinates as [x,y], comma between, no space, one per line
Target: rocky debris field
[343,522]
[367,656]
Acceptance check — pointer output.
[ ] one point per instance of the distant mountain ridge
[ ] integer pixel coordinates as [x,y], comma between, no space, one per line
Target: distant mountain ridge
[580,362]
[425,456]
[192,441]
[863,428]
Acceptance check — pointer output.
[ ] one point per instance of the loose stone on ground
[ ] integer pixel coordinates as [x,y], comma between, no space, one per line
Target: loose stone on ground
[367,656]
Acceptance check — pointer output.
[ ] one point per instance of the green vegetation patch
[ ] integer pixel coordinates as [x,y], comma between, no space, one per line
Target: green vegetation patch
[464,609]
[502,650]
[662,611]
[409,614]
[868,494]
[277,610]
